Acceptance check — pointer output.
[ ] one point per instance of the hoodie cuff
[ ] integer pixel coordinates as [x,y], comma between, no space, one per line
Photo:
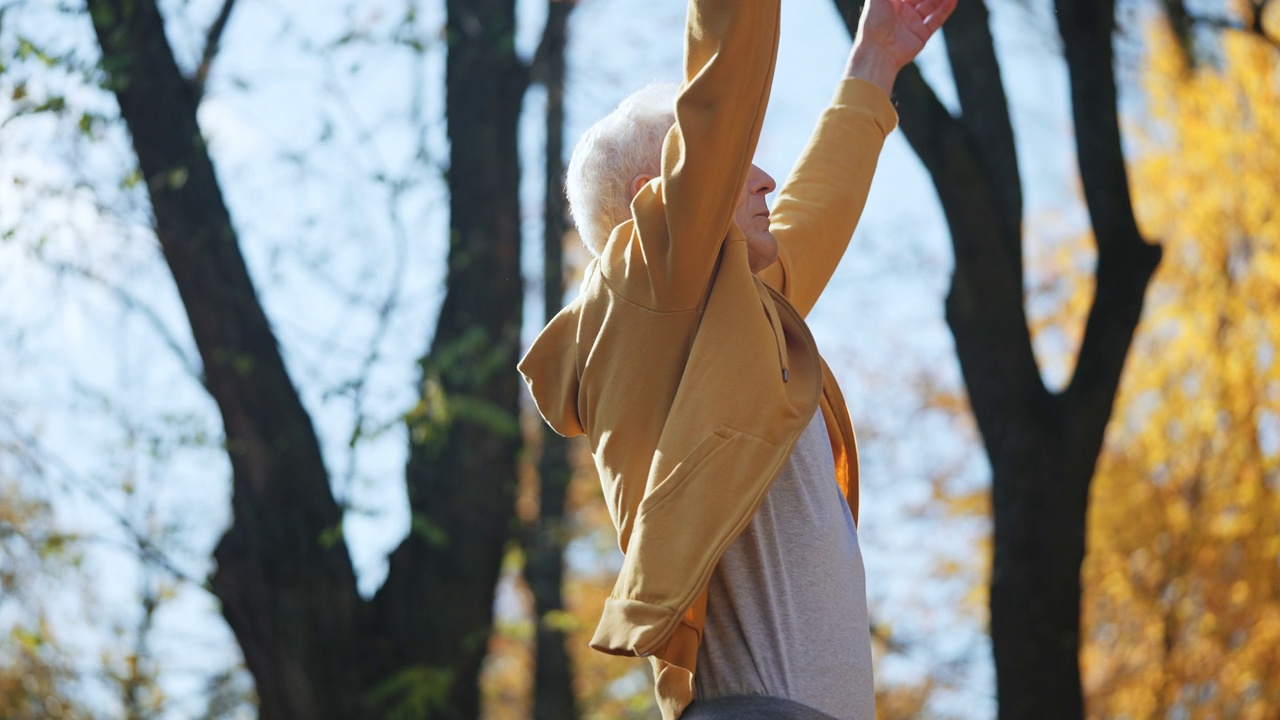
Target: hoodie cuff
[858,94]
[633,628]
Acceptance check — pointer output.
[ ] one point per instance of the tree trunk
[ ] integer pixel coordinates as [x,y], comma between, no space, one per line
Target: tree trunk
[553,695]
[316,650]
[289,597]
[437,603]
[1042,446]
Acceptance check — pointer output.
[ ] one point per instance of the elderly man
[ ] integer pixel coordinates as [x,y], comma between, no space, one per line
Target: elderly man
[723,444]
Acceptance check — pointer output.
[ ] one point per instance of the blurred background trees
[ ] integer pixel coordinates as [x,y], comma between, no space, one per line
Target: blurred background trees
[283,577]
[1182,599]
[292,272]
[33,553]
[1042,443]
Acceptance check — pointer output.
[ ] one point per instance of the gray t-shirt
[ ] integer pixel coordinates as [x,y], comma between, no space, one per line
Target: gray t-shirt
[787,605]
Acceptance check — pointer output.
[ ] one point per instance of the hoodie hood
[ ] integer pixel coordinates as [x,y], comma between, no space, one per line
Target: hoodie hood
[551,370]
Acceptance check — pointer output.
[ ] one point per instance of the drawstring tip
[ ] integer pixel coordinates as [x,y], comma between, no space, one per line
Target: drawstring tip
[785,377]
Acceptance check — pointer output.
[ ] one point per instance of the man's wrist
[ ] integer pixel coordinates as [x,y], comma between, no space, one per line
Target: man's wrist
[873,65]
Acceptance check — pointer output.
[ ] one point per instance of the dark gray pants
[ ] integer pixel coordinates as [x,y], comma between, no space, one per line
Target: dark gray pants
[751,707]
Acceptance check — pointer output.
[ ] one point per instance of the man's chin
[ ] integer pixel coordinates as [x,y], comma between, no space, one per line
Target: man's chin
[764,263]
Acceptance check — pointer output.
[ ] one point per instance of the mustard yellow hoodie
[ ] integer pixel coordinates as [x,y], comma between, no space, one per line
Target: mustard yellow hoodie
[692,377]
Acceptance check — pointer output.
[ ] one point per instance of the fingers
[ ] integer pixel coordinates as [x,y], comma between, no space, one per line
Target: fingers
[932,13]
[938,14]
[925,8]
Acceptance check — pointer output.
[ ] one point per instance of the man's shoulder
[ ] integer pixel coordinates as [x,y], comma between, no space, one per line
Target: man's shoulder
[623,278]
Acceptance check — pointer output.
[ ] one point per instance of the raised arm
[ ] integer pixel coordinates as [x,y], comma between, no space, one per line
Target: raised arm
[821,201]
[683,216]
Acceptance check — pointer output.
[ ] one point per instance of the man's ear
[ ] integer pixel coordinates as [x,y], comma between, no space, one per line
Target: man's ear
[638,182]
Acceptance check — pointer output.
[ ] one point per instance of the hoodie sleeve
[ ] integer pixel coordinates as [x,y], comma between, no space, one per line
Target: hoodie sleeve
[819,205]
[682,218]
[550,369]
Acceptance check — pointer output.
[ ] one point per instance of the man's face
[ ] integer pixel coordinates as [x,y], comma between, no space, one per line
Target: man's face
[752,216]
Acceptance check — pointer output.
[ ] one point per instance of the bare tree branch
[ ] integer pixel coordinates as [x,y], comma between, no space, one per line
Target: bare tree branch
[972,54]
[27,450]
[970,159]
[132,303]
[1125,260]
[1184,23]
[1254,27]
[211,43]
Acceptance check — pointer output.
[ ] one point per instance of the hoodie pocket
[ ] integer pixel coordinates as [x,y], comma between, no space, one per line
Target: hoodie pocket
[713,444]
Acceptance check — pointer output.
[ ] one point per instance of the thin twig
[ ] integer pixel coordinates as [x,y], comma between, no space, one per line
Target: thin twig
[130,302]
[26,451]
[212,40]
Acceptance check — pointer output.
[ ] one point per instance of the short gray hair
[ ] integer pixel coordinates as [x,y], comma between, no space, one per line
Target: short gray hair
[623,144]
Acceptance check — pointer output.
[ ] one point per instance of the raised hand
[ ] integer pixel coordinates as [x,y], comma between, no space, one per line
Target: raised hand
[891,33]
[900,28]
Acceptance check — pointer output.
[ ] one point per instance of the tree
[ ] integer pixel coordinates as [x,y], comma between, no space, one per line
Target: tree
[315,647]
[554,697]
[34,669]
[1182,601]
[1043,445]
[606,687]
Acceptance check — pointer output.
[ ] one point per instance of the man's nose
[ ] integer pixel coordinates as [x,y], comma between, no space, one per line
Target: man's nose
[761,182]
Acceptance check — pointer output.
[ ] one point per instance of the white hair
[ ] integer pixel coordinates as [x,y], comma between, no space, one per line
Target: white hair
[620,146]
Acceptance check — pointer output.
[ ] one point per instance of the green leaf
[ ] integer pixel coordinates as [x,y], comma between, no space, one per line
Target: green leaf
[28,49]
[86,124]
[414,693]
[331,536]
[28,639]
[54,104]
[562,620]
[177,178]
[431,533]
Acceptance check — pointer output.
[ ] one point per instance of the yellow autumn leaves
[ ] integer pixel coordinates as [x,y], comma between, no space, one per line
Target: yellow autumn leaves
[1182,579]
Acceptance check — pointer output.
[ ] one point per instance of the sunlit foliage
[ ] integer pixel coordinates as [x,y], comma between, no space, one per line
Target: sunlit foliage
[34,669]
[608,687]
[1182,581]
